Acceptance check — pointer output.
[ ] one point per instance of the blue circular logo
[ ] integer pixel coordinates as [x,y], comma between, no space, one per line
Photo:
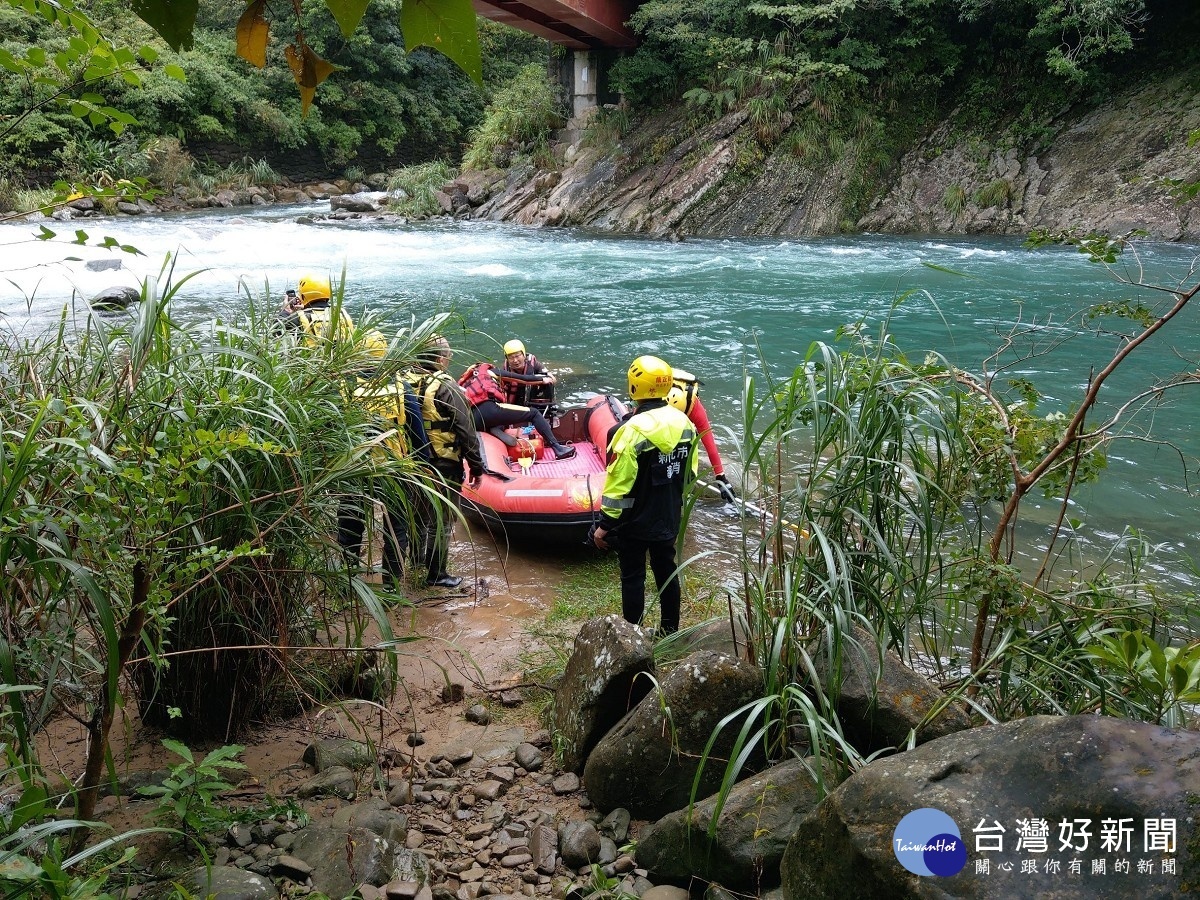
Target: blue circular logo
[928,842]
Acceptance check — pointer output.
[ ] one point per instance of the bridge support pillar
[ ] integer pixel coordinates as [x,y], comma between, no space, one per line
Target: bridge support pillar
[585,86]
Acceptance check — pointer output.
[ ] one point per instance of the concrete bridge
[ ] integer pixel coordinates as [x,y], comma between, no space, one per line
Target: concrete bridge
[593,29]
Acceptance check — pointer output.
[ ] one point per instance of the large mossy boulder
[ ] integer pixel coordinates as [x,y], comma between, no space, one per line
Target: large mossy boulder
[1014,776]
[604,679]
[880,699]
[343,858]
[759,816]
[647,763]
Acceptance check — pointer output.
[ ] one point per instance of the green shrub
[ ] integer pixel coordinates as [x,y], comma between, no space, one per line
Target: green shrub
[419,185]
[954,199]
[995,193]
[520,117]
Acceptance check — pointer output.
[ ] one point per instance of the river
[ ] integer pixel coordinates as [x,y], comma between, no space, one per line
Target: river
[588,303]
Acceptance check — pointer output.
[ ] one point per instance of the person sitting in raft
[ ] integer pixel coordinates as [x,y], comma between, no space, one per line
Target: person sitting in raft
[526,382]
[482,386]
[685,397]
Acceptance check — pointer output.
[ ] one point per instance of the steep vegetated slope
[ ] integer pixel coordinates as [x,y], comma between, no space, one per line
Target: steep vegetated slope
[973,119]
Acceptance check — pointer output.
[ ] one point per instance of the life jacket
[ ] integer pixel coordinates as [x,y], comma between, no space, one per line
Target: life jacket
[387,402]
[442,440]
[481,384]
[316,323]
[524,393]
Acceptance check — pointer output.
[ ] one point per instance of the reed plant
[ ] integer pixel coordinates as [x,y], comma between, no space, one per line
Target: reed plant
[882,478]
[169,495]
[414,188]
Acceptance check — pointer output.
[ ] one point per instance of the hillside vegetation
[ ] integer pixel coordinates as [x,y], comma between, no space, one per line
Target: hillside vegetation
[382,102]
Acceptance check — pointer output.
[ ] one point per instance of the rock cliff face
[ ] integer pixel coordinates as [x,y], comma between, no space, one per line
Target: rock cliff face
[1108,169]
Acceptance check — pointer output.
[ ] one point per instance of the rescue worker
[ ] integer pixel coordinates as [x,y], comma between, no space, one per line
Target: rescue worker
[395,405]
[453,440]
[314,316]
[653,461]
[526,381]
[482,386]
[685,397]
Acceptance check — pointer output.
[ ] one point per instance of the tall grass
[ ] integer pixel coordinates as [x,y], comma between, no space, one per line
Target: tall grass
[519,119]
[416,188]
[168,498]
[880,474]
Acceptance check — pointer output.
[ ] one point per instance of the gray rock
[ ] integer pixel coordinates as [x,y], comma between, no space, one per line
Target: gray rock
[529,757]
[648,767]
[489,790]
[131,209]
[608,851]
[292,868]
[337,781]
[566,783]
[543,846]
[400,793]
[226,883]
[616,825]
[758,818]
[478,713]
[1043,768]
[579,844]
[375,815]
[83,204]
[328,752]
[335,871]
[489,745]
[103,265]
[878,707]
[362,202]
[116,297]
[665,892]
[604,678]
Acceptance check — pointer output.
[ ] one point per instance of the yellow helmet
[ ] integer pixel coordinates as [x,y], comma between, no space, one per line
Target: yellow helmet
[313,287]
[513,346]
[649,378]
[678,398]
[374,344]
[684,387]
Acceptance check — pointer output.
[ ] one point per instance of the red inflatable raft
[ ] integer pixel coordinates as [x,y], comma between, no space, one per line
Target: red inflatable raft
[547,499]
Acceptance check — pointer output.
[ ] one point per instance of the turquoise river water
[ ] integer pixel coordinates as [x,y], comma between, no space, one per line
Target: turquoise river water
[588,303]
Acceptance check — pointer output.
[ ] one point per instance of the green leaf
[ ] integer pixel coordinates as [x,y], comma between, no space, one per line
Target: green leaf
[32,805]
[447,26]
[179,749]
[174,71]
[175,20]
[349,13]
[36,55]
[45,234]
[148,53]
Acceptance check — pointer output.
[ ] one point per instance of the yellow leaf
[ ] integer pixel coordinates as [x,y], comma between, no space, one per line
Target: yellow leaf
[252,33]
[308,70]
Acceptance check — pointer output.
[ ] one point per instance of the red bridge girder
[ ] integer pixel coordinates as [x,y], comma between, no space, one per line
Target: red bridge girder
[578,24]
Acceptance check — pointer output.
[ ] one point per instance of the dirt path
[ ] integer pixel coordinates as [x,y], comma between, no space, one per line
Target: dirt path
[470,638]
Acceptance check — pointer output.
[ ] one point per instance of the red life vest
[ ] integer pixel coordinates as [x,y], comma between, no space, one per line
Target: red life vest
[480,385]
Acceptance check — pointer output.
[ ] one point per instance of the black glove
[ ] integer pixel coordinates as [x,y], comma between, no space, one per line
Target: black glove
[725,489]
[496,474]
